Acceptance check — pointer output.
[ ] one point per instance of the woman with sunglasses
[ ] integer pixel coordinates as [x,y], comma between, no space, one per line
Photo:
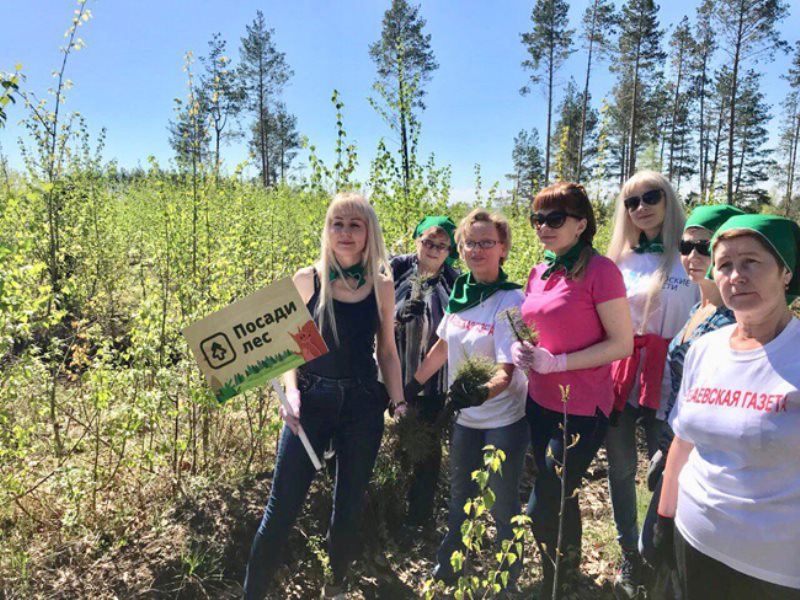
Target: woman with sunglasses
[473,325]
[422,285]
[729,505]
[648,223]
[576,301]
[335,397]
[707,315]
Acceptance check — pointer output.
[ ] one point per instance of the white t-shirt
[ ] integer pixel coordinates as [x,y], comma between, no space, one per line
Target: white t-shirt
[739,492]
[478,330]
[668,310]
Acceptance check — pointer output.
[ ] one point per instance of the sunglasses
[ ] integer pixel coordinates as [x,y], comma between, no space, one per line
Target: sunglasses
[553,220]
[434,246]
[703,247]
[650,198]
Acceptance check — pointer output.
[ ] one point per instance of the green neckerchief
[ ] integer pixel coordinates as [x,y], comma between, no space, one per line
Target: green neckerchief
[647,247]
[467,292]
[356,272]
[566,260]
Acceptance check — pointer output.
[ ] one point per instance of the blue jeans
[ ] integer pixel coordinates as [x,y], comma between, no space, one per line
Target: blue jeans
[466,456]
[545,500]
[349,412]
[622,463]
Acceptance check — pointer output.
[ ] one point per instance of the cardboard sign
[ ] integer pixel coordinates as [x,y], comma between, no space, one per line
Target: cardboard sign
[255,339]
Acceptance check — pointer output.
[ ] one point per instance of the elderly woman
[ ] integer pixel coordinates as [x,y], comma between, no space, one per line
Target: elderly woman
[707,315]
[731,492]
[473,326]
[648,223]
[422,285]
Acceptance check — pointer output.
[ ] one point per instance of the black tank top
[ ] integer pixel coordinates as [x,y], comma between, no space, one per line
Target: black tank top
[356,325]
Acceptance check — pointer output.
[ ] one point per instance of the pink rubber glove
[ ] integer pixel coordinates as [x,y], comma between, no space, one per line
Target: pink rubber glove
[292,420]
[522,355]
[545,362]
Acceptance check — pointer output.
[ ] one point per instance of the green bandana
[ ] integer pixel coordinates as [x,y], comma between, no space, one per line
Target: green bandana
[356,272]
[781,233]
[467,292]
[711,216]
[566,260]
[647,247]
[446,224]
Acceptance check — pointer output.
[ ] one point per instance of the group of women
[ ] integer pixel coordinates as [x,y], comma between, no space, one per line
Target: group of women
[684,321]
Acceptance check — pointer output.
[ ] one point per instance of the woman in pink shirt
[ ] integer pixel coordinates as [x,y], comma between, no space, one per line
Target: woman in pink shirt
[576,300]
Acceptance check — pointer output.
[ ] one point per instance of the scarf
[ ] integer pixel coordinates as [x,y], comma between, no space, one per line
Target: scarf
[647,247]
[467,292]
[566,260]
[356,272]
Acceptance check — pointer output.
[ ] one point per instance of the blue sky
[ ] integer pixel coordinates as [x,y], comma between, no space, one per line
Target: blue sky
[127,77]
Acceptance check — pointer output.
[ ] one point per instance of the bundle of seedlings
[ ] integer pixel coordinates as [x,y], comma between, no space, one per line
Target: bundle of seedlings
[416,439]
[470,386]
[522,331]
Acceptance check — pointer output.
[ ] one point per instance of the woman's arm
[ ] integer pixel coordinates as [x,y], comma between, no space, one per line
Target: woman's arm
[501,380]
[435,360]
[386,350]
[678,455]
[615,315]
[304,282]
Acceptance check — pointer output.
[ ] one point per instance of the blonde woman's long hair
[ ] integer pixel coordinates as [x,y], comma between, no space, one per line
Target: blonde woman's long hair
[373,258]
[625,235]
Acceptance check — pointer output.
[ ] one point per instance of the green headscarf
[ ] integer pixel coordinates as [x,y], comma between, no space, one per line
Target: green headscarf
[781,233]
[445,223]
[711,216]
[468,293]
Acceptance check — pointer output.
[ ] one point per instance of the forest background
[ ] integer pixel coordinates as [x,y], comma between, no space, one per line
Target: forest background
[119,473]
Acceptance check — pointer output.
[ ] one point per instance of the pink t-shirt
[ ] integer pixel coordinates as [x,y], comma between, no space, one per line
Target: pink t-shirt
[564,312]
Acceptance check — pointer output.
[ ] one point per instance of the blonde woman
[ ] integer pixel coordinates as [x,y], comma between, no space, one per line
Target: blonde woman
[648,224]
[335,396]
[496,414]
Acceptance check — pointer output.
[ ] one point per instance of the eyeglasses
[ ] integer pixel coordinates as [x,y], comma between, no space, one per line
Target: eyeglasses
[553,220]
[482,244]
[650,198]
[703,247]
[429,245]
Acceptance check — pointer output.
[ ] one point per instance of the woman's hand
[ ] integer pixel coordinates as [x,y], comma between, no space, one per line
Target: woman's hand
[293,419]
[543,361]
[398,409]
[522,355]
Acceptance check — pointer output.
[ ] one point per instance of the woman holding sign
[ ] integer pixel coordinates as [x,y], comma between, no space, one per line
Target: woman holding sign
[732,513]
[335,397]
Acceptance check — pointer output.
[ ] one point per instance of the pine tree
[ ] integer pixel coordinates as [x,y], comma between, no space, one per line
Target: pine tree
[571,119]
[748,28]
[528,175]
[221,93]
[549,44]
[637,63]
[599,26]
[263,72]
[682,49]
[789,141]
[284,141]
[405,63]
[705,47]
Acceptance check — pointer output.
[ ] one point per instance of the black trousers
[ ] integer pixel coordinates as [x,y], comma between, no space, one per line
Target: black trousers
[705,578]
